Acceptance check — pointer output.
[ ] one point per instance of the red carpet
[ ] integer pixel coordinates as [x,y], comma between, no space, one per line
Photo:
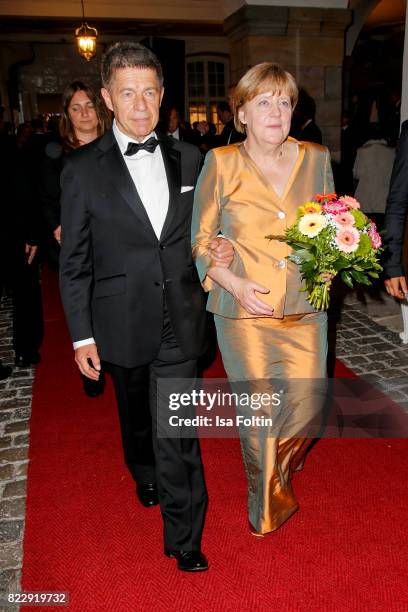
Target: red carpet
[346,549]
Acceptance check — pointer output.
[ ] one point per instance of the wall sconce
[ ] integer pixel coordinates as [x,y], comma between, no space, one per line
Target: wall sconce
[86,38]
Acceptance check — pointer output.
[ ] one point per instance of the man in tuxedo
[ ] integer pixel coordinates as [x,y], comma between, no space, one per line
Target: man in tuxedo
[129,286]
[304,126]
[229,134]
[395,220]
[174,128]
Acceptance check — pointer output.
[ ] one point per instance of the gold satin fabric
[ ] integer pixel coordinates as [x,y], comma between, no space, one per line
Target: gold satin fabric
[263,351]
[234,197]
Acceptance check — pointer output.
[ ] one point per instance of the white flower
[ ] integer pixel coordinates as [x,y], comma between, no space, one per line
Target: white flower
[311,225]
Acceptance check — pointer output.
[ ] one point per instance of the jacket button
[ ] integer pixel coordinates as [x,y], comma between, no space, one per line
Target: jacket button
[157,284]
[162,246]
[281,214]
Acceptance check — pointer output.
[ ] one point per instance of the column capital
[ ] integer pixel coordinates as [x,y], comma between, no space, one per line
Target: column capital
[257,21]
[250,20]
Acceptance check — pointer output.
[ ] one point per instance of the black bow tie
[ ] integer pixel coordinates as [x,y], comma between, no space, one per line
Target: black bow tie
[150,146]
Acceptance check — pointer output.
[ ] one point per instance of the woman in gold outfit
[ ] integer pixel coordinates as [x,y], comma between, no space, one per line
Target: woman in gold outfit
[265,327]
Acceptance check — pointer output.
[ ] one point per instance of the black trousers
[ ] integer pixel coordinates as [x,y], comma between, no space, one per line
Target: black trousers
[24,281]
[175,464]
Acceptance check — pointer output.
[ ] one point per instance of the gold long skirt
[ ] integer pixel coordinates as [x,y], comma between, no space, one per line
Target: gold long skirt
[263,351]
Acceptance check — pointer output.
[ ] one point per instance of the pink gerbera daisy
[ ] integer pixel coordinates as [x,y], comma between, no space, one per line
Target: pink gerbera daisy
[350,201]
[345,219]
[335,208]
[347,239]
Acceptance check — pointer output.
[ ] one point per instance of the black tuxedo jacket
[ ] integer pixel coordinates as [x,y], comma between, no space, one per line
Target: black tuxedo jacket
[115,275]
[396,210]
[230,135]
[311,133]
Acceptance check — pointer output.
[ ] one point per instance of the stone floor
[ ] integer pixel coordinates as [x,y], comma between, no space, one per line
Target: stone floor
[367,340]
[15,411]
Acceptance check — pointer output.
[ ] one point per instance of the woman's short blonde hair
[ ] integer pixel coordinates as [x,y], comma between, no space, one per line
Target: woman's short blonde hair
[263,77]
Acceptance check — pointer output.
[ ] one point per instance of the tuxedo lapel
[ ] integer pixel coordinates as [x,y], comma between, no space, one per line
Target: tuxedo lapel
[172,164]
[115,169]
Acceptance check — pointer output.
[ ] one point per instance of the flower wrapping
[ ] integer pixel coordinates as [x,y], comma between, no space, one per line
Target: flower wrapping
[331,236]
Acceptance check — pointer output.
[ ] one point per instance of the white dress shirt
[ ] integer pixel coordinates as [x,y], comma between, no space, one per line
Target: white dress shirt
[149,177]
[175,134]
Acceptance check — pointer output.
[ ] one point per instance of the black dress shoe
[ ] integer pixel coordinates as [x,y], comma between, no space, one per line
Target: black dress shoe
[5,371]
[189,560]
[147,494]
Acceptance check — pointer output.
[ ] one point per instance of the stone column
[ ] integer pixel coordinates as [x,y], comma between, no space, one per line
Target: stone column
[404,115]
[404,92]
[308,42]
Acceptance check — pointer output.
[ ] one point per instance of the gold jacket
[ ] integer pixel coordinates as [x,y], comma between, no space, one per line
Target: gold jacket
[234,197]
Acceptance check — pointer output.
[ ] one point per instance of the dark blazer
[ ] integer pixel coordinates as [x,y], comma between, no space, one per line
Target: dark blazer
[188,135]
[311,133]
[396,209]
[49,187]
[114,272]
[230,135]
[19,211]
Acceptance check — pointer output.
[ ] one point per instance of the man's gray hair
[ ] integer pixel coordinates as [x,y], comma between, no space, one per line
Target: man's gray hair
[128,54]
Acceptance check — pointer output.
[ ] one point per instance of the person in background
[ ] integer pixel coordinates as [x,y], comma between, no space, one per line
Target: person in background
[174,128]
[19,237]
[304,126]
[393,118]
[205,134]
[372,171]
[5,144]
[395,221]
[348,146]
[229,134]
[84,118]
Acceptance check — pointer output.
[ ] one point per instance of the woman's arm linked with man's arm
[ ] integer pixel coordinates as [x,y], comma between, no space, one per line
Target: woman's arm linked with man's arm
[206,226]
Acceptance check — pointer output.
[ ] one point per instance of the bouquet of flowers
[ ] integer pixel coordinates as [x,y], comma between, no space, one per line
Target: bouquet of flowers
[333,236]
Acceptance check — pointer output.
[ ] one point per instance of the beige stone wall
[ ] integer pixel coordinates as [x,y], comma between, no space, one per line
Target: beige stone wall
[309,43]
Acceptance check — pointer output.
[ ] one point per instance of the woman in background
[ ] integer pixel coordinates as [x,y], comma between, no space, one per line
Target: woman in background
[84,118]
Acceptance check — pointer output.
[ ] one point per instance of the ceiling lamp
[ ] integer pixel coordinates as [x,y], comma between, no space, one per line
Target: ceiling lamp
[86,38]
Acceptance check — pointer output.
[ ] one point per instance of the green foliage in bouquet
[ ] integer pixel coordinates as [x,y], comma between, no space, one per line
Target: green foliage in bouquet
[332,236]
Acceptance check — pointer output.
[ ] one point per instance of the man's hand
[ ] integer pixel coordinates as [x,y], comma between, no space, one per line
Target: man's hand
[222,252]
[82,354]
[30,251]
[57,234]
[397,287]
[203,127]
